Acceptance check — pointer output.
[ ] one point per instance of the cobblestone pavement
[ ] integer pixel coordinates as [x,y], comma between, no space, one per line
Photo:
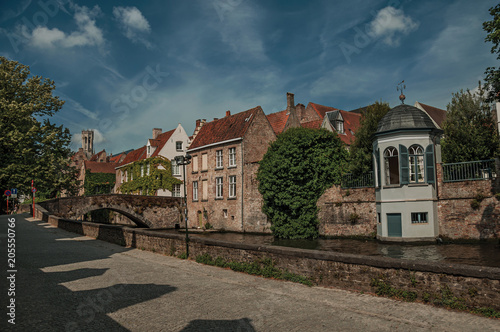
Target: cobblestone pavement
[67,282]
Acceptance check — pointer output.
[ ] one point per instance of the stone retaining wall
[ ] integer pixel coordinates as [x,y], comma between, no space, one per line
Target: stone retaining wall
[428,281]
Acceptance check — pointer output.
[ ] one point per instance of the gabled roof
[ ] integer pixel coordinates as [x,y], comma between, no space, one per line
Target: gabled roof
[437,115]
[315,124]
[278,121]
[321,109]
[135,155]
[351,124]
[115,159]
[99,167]
[227,128]
[160,141]
[97,155]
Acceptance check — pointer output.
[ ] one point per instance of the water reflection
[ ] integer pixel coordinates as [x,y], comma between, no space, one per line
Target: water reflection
[484,254]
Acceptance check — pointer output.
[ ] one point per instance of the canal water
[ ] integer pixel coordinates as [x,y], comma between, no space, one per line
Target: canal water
[481,254]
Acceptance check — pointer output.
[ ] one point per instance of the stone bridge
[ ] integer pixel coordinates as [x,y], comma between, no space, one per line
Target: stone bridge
[145,211]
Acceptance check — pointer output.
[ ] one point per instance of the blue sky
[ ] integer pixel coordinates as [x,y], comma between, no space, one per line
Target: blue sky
[124,67]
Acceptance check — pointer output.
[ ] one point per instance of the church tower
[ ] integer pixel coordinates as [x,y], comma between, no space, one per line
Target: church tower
[88,142]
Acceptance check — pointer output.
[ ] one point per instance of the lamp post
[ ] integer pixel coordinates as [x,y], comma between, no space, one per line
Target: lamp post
[184,160]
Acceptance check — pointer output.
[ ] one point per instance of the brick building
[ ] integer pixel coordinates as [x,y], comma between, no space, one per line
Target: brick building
[166,145]
[222,184]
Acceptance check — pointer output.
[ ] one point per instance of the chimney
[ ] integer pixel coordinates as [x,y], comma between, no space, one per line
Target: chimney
[228,113]
[289,102]
[156,132]
[215,119]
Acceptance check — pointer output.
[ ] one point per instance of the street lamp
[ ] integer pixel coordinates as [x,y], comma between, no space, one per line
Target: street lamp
[184,160]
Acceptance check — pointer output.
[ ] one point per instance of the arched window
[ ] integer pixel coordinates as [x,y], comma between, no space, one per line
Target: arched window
[416,154]
[391,166]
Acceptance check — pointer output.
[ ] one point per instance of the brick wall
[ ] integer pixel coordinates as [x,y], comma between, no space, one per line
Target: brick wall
[347,212]
[475,286]
[458,219]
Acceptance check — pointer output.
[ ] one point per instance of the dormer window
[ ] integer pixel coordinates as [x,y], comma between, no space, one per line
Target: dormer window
[149,150]
[339,126]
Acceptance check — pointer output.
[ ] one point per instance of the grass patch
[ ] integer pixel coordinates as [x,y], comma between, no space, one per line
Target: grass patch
[262,267]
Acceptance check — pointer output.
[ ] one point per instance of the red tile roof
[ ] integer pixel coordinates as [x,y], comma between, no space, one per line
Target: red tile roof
[351,125]
[160,141]
[135,155]
[229,127]
[278,121]
[115,159]
[437,114]
[315,124]
[97,155]
[99,167]
[321,110]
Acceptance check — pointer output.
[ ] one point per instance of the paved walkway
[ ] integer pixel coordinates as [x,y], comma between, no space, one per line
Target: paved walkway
[66,282]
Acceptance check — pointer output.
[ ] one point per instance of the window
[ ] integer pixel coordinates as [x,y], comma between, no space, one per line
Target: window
[204,188]
[178,146]
[378,218]
[176,190]
[121,176]
[149,150]
[218,187]
[224,212]
[148,169]
[195,190]
[204,162]
[142,171]
[232,157]
[232,186]
[218,159]
[416,153]
[339,126]
[391,166]
[195,163]
[419,217]
[176,170]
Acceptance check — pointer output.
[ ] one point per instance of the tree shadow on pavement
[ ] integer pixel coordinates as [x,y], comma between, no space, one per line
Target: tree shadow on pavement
[238,325]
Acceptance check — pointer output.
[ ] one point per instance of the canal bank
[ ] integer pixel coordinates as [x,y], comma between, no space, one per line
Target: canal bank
[454,285]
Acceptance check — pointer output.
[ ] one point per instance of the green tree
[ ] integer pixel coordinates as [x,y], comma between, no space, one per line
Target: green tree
[30,145]
[296,170]
[469,128]
[361,160]
[492,73]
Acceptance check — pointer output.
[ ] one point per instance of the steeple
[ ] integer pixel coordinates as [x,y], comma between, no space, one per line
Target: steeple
[88,142]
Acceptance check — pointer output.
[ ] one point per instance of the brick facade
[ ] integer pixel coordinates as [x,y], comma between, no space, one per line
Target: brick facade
[242,211]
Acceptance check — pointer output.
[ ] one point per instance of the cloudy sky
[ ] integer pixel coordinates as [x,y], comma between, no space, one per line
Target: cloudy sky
[124,67]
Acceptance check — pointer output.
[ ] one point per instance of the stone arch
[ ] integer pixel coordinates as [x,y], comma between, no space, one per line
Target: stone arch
[137,219]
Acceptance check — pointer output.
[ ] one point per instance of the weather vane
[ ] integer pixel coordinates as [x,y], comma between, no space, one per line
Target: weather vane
[401,86]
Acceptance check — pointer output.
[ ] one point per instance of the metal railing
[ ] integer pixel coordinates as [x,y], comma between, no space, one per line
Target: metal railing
[470,170]
[361,181]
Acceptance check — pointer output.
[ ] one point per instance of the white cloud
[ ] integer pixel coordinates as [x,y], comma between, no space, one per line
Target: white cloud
[88,34]
[390,24]
[134,24]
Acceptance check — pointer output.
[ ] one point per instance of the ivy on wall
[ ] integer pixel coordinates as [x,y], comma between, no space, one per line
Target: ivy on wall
[157,179]
[98,183]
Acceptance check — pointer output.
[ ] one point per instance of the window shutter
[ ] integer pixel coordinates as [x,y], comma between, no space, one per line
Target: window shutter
[377,158]
[404,171]
[429,163]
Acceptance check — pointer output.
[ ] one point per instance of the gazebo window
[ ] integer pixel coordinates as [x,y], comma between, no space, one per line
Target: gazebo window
[391,166]
[416,154]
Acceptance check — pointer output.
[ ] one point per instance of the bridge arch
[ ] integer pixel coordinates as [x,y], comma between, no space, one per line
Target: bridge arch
[145,211]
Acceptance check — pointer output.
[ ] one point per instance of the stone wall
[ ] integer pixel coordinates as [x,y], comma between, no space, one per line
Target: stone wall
[347,212]
[468,209]
[148,211]
[428,281]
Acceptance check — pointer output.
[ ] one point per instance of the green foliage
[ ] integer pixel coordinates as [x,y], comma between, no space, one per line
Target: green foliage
[492,73]
[293,174]
[262,267]
[469,129]
[157,179]
[98,183]
[30,145]
[361,150]
[385,289]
